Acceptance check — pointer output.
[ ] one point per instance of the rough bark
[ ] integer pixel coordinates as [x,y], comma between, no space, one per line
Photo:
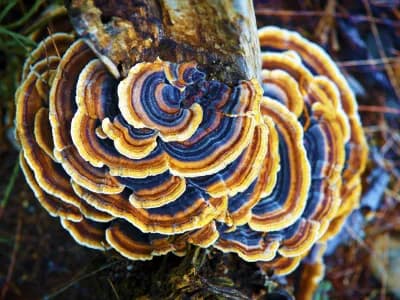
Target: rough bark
[219,34]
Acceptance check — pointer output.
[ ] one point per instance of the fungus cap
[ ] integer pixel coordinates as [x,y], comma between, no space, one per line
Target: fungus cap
[167,156]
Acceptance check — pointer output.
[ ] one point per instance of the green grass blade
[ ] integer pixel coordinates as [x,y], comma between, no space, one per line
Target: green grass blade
[6,10]
[10,185]
[26,16]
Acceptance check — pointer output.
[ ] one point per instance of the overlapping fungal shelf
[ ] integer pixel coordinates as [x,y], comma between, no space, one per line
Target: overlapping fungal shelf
[167,156]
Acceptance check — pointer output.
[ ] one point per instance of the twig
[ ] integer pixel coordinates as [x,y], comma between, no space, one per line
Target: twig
[368,62]
[378,109]
[11,267]
[370,130]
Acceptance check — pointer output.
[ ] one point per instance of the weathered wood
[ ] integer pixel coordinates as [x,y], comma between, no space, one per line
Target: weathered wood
[219,34]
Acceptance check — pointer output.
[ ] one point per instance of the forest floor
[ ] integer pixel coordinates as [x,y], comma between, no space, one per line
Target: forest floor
[39,259]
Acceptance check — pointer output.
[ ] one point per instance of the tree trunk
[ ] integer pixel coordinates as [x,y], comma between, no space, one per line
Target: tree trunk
[220,35]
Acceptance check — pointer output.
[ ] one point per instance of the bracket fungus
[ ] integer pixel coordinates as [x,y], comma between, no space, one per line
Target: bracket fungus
[168,156]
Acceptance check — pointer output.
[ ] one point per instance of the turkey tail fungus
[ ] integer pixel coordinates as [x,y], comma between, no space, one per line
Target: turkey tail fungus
[162,124]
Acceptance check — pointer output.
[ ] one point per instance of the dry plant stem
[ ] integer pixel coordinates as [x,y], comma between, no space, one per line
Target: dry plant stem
[224,292]
[336,15]
[368,62]
[379,109]
[78,278]
[220,35]
[113,289]
[389,70]
[325,24]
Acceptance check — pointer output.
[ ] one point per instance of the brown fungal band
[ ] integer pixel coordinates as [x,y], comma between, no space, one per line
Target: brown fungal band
[167,156]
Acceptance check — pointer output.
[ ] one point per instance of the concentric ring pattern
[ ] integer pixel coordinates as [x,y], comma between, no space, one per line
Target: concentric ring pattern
[166,156]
